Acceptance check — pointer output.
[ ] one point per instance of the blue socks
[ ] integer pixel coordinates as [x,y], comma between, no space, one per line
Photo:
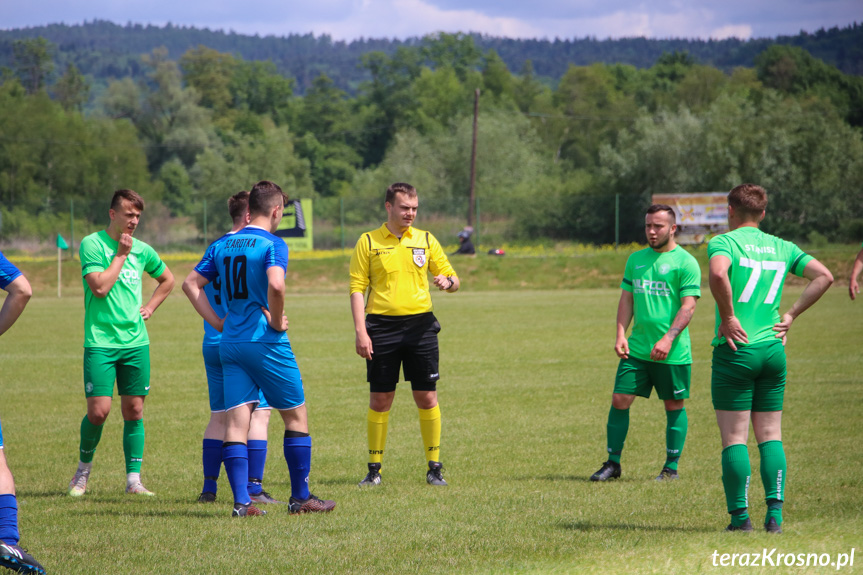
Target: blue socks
[9,519]
[298,455]
[257,459]
[212,457]
[236,459]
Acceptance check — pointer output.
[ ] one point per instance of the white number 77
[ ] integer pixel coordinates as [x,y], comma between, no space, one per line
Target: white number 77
[757,266]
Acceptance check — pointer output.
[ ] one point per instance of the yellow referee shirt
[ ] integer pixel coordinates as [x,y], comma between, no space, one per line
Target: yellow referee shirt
[397,270]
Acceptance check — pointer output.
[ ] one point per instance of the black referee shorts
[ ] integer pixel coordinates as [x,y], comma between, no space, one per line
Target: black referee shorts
[410,340]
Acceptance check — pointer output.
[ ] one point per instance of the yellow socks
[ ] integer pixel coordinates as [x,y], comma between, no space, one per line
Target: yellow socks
[430,429]
[377,422]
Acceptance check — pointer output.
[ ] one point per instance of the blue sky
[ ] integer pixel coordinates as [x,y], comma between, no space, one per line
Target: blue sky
[350,19]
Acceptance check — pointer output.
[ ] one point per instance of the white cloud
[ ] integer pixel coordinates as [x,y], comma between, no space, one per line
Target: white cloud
[349,19]
[404,18]
[684,23]
[742,31]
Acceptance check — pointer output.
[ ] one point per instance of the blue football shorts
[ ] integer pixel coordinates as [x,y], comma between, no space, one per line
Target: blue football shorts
[253,369]
[216,380]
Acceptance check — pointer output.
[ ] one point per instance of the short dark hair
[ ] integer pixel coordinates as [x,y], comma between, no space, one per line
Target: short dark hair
[238,204]
[131,195]
[663,208]
[400,188]
[749,200]
[265,196]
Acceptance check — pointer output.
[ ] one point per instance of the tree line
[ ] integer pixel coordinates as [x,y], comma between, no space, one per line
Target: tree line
[552,158]
[103,50]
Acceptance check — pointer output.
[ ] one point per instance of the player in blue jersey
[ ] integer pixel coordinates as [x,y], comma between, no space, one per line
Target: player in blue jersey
[255,351]
[214,435]
[12,556]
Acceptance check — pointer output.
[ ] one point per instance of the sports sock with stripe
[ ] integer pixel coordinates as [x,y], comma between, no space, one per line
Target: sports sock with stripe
[236,458]
[90,436]
[133,444]
[430,430]
[298,455]
[378,422]
[736,473]
[257,462]
[774,469]
[676,425]
[9,519]
[616,430]
[212,460]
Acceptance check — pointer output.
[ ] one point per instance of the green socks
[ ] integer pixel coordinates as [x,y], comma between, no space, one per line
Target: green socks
[736,472]
[90,436]
[774,469]
[675,436]
[618,426]
[133,444]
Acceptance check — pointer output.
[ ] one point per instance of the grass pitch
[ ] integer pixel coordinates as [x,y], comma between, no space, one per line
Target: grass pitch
[525,390]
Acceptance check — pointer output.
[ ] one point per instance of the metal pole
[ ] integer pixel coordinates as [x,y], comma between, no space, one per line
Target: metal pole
[470,204]
[476,227]
[616,220]
[59,273]
[342,220]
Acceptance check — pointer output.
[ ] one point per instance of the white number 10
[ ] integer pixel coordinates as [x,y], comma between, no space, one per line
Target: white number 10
[756,266]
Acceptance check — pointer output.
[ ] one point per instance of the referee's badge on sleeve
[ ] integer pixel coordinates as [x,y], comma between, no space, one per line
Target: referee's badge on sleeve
[420,257]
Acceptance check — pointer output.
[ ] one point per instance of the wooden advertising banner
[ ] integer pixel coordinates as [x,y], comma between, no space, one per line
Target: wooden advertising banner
[700,216]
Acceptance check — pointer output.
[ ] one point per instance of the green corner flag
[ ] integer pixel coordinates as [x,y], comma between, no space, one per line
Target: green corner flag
[61,243]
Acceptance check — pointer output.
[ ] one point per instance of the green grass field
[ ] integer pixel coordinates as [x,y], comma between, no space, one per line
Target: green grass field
[525,390]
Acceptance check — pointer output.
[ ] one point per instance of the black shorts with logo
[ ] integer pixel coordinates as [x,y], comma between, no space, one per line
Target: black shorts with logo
[405,339]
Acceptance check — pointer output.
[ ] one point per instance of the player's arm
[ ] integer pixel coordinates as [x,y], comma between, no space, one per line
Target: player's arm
[19,291]
[681,320]
[447,283]
[853,286]
[100,283]
[166,284]
[363,341]
[820,280]
[359,283]
[720,287]
[624,318]
[276,298]
[193,287]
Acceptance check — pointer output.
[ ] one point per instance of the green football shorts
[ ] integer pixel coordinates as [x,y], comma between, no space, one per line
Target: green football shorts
[751,378]
[130,367]
[638,377]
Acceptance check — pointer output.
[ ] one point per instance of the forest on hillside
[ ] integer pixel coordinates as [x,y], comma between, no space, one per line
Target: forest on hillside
[103,50]
[187,130]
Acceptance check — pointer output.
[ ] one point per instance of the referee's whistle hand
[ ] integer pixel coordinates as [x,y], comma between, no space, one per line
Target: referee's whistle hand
[364,346]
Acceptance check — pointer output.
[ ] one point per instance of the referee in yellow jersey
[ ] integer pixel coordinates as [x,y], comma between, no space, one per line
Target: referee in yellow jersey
[392,263]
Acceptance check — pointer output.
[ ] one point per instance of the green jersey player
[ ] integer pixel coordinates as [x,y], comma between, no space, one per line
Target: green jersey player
[661,285]
[747,273]
[116,345]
